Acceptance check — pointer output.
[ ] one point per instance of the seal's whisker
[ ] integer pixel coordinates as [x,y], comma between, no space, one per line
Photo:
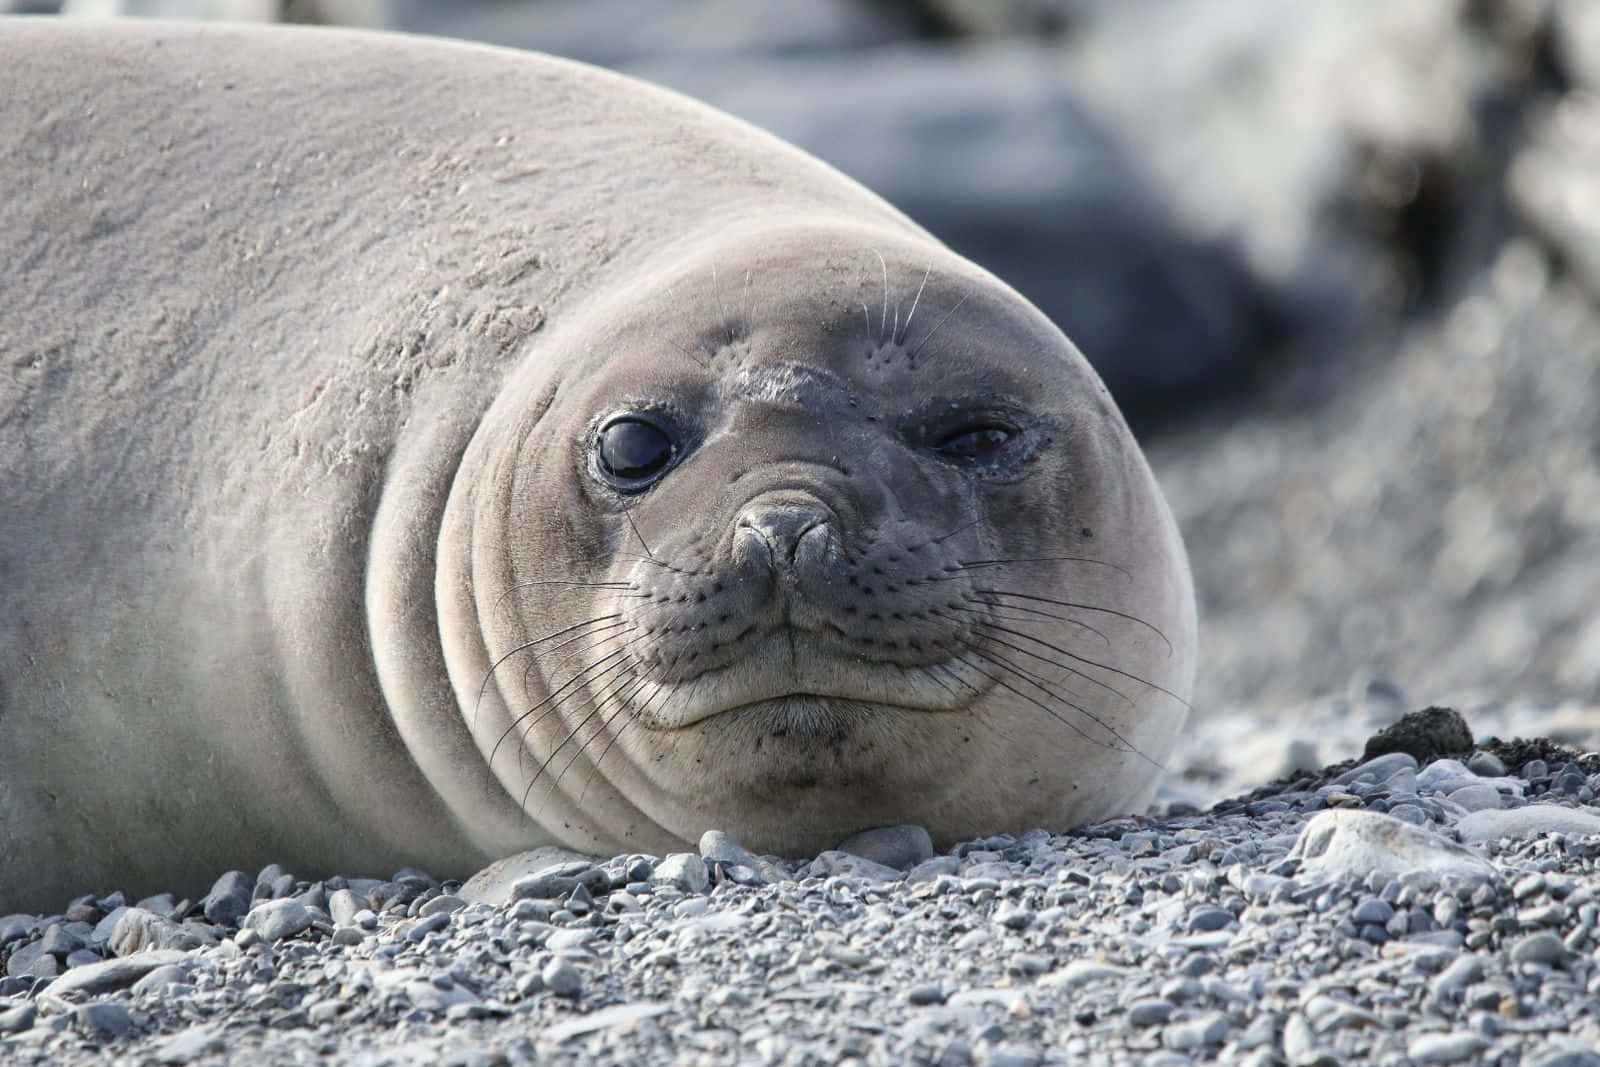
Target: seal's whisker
[1091,663]
[936,326]
[605,725]
[971,564]
[1122,743]
[627,513]
[619,682]
[1078,606]
[554,695]
[906,329]
[552,699]
[526,645]
[544,764]
[986,625]
[545,654]
[1052,712]
[990,610]
[883,326]
[635,716]
[1036,677]
[957,676]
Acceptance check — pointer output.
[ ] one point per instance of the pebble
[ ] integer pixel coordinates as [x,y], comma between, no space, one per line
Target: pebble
[682,870]
[229,899]
[1542,947]
[900,847]
[560,977]
[1203,1031]
[274,920]
[97,978]
[1149,1012]
[1354,844]
[1444,1048]
[1529,821]
[113,1020]
[850,866]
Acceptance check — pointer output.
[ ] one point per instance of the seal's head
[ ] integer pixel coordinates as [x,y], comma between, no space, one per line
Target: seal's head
[813,530]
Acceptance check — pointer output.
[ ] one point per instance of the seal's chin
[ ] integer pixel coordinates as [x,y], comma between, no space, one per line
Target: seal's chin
[795,679]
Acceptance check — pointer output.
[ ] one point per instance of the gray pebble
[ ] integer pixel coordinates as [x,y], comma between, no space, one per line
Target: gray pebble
[15,1020]
[1207,919]
[275,920]
[560,977]
[834,862]
[1372,910]
[1202,1031]
[1444,1048]
[900,847]
[229,899]
[1529,821]
[445,904]
[32,959]
[1378,769]
[1486,764]
[1149,1012]
[1542,947]
[344,905]
[682,870]
[1478,796]
[104,1017]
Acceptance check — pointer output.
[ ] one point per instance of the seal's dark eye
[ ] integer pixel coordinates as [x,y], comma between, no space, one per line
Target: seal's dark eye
[976,441]
[632,452]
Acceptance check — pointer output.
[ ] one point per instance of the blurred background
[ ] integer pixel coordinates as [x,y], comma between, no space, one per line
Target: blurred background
[1339,264]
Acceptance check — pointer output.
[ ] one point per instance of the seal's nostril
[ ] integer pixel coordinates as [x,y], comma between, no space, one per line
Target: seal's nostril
[784,526]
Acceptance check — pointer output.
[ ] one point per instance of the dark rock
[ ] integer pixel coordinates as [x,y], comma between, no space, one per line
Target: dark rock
[1424,735]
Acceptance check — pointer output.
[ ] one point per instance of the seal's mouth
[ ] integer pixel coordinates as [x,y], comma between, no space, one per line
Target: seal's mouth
[787,673]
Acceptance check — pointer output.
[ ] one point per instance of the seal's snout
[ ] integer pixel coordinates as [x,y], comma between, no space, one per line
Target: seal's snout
[792,532]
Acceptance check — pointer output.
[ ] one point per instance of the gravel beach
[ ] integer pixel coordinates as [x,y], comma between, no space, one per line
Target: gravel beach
[1391,503]
[1380,910]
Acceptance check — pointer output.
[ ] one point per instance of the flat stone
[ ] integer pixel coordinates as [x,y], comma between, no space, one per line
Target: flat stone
[494,883]
[138,930]
[1477,797]
[1529,821]
[834,862]
[1081,973]
[1378,769]
[1354,844]
[1444,1048]
[96,978]
[900,847]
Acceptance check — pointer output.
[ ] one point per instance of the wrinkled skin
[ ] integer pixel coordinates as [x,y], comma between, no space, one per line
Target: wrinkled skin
[316,551]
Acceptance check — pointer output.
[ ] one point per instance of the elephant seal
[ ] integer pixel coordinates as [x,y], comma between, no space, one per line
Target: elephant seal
[414,453]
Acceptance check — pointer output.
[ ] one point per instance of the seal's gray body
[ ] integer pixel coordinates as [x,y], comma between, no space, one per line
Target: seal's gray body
[259,289]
